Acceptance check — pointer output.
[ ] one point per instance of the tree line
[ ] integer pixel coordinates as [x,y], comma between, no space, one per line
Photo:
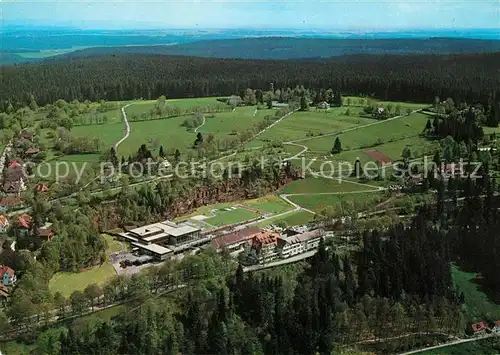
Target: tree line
[123,77]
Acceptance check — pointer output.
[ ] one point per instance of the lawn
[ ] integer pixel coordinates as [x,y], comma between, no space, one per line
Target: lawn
[168,132]
[320,185]
[317,203]
[269,204]
[311,123]
[108,133]
[478,305]
[68,282]
[291,219]
[384,132]
[114,245]
[65,166]
[223,124]
[224,218]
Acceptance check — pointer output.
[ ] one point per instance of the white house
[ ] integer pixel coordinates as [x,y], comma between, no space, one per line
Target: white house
[300,243]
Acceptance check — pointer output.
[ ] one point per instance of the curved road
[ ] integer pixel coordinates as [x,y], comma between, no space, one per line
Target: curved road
[127,125]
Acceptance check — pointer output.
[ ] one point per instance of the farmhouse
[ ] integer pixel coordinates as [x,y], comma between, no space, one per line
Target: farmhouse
[46,232]
[299,243]
[154,238]
[42,188]
[8,275]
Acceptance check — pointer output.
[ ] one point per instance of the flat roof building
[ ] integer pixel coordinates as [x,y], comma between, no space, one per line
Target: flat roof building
[162,238]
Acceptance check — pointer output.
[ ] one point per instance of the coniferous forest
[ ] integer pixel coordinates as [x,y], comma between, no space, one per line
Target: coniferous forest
[419,78]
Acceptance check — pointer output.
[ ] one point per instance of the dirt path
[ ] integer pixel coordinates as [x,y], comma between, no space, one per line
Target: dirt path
[127,126]
[202,124]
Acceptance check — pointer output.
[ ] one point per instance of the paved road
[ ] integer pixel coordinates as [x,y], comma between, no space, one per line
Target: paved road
[456,342]
[127,125]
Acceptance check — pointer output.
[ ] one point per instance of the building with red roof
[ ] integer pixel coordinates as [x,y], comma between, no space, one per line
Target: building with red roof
[265,243]
[9,202]
[478,328]
[8,275]
[42,188]
[236,239]
[14,164]
[24,221]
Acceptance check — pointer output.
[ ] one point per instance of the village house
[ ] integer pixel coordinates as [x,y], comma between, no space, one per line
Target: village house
[4,224]
[8,275]
[9,202]
[323,105]
[41,188]
[265,244]
[45,232]
[14,178]
[299,243]
[23,223]
[32,151]
[479,328]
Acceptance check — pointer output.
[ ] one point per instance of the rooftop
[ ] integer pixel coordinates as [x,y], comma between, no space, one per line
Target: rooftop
[154,248]
[303,237]
[163,229]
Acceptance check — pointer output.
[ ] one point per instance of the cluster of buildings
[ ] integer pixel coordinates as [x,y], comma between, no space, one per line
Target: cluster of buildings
[164,239]
[268,244]
[481,328]
[161,241]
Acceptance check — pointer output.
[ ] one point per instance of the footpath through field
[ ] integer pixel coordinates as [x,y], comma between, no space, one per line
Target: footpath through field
[127,126]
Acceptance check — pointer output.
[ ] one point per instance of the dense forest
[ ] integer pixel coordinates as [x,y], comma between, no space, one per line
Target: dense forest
[470,78]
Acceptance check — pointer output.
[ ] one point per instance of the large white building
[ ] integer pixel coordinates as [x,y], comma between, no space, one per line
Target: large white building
[161,239]
[299,243]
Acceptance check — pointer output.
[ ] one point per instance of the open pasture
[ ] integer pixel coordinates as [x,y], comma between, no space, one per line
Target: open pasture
[360,201]
[308,124]
[223,124]
[313,185]
[294,218]
[384,132]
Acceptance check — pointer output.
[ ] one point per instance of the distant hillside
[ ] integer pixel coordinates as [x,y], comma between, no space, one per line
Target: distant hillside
[298,48]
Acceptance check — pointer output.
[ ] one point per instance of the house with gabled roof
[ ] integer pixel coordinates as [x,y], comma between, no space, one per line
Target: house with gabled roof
[10,202]
[32,151]
[24,221]
[479,328]
[41,188]
[7,275]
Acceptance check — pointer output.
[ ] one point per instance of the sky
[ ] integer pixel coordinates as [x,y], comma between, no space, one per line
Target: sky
[278,14]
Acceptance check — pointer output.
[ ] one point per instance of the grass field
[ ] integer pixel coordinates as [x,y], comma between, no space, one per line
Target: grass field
[223,217]
[404,105]
[269,204]
[478,305]
[154,133]
[68,282]
[295,218]
[304,124]
[317,203]
[223,124]
[385,132]
[108,133]
[321,185]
